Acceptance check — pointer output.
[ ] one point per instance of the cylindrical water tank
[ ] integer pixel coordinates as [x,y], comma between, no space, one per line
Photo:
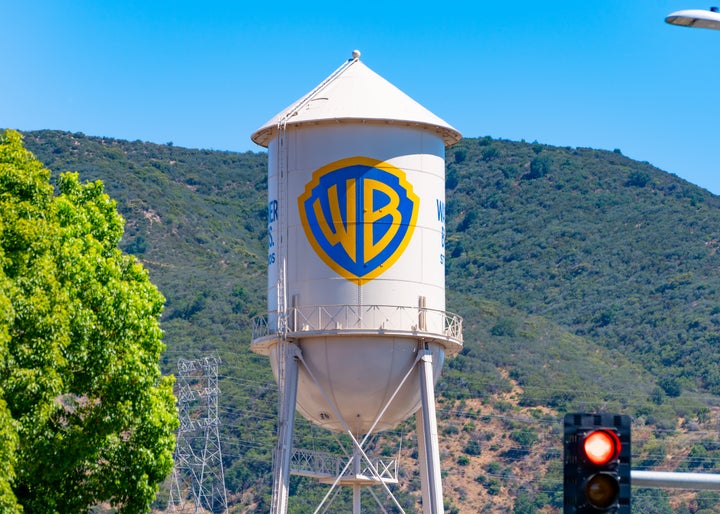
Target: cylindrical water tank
[356,262]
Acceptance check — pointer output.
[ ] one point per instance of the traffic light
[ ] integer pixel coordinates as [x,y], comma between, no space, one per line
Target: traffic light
[596,463]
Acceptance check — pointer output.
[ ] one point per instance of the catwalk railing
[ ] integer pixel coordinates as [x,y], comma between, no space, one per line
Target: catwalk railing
[323,465]
[378,319]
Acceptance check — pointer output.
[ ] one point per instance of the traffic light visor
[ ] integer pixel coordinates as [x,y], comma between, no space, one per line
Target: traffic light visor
[601,446]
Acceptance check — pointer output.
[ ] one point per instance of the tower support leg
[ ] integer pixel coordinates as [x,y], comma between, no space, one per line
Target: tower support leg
[428,447]
[356,488]
[286,423]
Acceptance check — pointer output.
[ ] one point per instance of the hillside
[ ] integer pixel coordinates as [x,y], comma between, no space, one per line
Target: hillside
[612,249]
[586,280]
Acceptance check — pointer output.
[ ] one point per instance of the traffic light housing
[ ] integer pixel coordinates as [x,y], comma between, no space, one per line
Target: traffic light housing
[596,476]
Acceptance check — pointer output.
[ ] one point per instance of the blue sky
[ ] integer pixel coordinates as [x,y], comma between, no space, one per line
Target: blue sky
[606,74]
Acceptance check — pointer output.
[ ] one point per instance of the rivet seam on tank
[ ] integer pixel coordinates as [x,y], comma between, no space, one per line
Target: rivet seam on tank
[359,215]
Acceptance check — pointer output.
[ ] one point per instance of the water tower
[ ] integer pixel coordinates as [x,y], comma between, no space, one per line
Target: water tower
[357,329]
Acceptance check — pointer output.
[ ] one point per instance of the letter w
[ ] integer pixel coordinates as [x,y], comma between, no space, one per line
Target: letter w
[342,231]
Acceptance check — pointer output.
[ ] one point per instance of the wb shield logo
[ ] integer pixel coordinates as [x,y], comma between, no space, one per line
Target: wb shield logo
[359,215]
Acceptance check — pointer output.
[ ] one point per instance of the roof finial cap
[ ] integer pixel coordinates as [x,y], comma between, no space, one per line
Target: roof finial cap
[356,54]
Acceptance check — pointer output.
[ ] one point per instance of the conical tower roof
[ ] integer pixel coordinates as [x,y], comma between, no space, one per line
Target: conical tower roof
[355,94]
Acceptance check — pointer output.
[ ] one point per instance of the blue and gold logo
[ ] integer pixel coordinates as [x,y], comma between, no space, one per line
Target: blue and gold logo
[359,215]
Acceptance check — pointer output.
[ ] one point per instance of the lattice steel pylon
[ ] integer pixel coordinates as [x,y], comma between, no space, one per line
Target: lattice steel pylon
[198,479]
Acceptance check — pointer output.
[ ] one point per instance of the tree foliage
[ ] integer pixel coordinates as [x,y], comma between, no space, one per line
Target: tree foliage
[85,415]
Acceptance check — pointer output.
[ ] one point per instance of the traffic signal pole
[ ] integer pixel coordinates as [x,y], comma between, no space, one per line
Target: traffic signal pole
[672,480]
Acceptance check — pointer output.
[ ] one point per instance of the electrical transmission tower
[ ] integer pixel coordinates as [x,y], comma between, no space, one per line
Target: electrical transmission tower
[198,479]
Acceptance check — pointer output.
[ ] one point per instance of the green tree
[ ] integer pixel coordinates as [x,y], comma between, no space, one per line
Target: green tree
[539,167]
[90,419]
[523,503]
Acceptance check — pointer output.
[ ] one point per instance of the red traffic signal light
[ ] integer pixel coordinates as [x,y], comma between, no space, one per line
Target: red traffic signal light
[596,463]
[601,446]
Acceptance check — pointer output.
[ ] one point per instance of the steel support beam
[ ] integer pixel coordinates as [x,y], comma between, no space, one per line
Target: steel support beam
[428,447]
[286,423]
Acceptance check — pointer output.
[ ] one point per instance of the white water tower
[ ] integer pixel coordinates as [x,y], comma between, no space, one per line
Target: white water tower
[357,329]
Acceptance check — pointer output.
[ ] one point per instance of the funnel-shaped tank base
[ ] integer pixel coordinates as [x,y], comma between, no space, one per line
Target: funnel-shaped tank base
[360,375]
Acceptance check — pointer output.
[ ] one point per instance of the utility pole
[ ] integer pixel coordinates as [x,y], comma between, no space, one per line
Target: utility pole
[198,473]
